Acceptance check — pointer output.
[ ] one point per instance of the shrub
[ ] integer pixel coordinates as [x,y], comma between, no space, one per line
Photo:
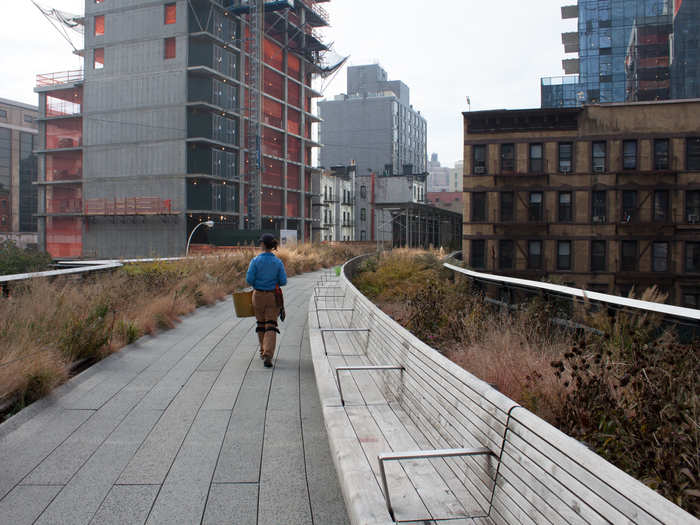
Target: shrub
[16,260]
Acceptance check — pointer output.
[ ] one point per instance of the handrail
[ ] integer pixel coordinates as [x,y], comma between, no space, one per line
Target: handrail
[666,309]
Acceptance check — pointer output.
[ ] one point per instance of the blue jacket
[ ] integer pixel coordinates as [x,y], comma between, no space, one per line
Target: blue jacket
[265,272]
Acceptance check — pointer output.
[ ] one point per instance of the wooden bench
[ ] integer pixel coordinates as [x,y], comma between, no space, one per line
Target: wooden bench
[416,438]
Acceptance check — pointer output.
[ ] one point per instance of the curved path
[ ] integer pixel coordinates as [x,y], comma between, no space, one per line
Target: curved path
[187,427]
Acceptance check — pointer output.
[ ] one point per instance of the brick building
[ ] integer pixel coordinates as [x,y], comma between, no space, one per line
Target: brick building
[604,197]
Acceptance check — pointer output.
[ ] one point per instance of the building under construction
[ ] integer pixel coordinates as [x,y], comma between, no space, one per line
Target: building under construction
[186,111]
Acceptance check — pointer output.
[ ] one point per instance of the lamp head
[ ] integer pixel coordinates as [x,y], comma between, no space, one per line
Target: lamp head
[209,224]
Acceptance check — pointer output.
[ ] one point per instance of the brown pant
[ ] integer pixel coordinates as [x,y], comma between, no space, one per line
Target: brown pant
[266,311]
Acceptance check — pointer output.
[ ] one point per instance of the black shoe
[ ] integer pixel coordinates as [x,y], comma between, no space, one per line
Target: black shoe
[268,363]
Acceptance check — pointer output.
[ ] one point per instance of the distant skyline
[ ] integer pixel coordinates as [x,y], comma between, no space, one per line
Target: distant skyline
[493,52]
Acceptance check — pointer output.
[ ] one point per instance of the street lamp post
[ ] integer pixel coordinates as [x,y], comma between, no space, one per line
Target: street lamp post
[208,224]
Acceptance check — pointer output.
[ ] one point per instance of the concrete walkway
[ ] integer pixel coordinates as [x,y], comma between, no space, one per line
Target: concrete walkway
[187,427]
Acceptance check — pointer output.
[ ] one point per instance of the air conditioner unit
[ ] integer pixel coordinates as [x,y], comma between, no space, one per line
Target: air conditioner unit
[599,219]
[599,169]
[693,219]
[480,170]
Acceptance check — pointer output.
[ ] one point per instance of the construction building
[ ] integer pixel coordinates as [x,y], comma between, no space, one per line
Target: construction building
[334,205]
[186,111]
[18,167]
[605,197]
[374,125]
[601,47]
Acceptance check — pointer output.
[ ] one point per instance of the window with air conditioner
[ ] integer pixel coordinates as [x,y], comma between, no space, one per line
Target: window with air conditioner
[599,153]
[479,159]
[566,157]
[629,205]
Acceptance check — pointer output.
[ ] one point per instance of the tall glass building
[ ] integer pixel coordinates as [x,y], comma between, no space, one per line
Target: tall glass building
[685,58]
[603,44]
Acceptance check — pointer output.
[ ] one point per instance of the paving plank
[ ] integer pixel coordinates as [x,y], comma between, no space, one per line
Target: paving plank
[232,503]
[153,460]
[82,496]
[184,494]
[126,505]
[24,504]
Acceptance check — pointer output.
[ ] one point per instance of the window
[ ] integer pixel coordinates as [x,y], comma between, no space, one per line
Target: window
[534,255]
[692,154]
[479,160]
[28,119]
[170,14]
[99,25]
[629,205]
[478,206]
[661,205]
[566,157]
[3,113]
[536,158]
[98,58]
[506,254]
[363,235]
[599,154]
[535,208]
[691,297]
[628,262]
[507,206]
[598,257]
[477,255]
[659,262]
[363,214]
[564,255]
[169,48]
[629,154]
[692,206]
[598,206]
[661,154]
[507,157]
[565,206]
[692,257]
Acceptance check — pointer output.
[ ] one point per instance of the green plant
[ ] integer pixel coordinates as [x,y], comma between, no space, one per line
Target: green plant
[16,260]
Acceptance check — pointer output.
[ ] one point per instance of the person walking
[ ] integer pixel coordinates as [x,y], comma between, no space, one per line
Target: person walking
[265,273]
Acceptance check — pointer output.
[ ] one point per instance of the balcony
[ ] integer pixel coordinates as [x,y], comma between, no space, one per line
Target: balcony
[60,78]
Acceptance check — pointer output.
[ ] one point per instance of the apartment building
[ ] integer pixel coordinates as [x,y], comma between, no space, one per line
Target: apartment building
[334,209]
[605,197]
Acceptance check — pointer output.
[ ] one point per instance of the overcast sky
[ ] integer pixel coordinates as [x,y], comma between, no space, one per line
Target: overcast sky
[444,50]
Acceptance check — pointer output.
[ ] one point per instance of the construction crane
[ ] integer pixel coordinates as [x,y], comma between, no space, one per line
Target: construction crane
[63,22]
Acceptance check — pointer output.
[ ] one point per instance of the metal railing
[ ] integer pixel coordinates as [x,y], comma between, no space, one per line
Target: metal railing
[60,77]
[625,302]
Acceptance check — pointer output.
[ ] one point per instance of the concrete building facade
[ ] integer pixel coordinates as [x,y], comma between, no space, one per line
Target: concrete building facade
[18,166]
[374,125]
[604,197]
[161,127]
